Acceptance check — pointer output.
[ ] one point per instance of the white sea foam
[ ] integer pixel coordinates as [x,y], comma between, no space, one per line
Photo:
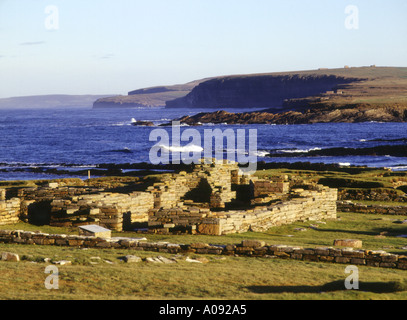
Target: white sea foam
[402,168]
[300,150]
[261,153]
[187,148]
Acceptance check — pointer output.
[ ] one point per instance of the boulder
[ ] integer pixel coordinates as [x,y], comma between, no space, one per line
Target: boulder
[132,259]
[7,256]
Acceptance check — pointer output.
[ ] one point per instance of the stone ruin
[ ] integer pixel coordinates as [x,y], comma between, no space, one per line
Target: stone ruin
[9,209]
[215,198]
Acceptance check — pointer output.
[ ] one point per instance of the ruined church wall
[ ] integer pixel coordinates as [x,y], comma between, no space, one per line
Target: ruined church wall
[9,209]
[310,205]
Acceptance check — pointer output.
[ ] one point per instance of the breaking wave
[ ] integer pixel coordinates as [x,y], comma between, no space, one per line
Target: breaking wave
[188,148]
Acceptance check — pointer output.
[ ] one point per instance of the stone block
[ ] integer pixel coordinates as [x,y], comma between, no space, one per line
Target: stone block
[348,243]
[95,231]
[60,242]
[282,255]
[358,261]
[209,229]
[132,259]
[387,265]
[342,260]
[253,243]
[199,245]
[244,250]
[402,265]
[389,258]
[8,256]
[75,243]
[326,258]
[310,257]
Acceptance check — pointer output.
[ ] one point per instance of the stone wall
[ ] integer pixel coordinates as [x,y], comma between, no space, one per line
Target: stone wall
[169,191]
[64,206]
[266,187]
[110,210]
[183,217]
[172,212]
[309,205]
[215,176]
[248,248]
[9,209]
[54,191]
[35,202]
[196,201]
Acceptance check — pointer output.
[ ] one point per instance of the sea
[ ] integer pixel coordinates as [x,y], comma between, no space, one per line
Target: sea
[74,139]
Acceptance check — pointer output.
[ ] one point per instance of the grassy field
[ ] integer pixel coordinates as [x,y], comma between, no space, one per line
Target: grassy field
[102,274]
[229,279]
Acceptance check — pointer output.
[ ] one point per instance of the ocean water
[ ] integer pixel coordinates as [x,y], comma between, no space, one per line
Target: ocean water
[80,138]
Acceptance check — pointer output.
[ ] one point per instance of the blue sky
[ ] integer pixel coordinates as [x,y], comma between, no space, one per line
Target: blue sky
[114,46]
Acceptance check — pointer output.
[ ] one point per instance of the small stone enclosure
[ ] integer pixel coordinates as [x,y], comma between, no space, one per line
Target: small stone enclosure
[214,199]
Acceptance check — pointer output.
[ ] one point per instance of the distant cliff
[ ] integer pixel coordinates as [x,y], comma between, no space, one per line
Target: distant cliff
[261,91]
[277,92]
[334,95]
[153,97]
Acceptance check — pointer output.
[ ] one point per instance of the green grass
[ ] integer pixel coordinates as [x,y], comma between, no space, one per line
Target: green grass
[229,279]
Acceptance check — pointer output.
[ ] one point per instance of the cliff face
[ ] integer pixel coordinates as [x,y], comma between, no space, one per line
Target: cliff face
[278,92]
[153,97]
[262,91]
[139,100]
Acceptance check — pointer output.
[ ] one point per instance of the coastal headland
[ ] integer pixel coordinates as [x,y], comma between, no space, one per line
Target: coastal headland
[325,95]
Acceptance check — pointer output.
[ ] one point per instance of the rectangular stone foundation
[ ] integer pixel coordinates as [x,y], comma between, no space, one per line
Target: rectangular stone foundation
[312,205]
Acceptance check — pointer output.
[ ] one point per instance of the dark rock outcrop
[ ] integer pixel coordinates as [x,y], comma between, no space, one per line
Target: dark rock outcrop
[143,124]
[350,114]
[386,150]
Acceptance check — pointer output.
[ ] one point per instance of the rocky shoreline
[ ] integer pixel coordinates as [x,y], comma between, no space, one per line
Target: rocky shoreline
[399,150]
[346,114]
